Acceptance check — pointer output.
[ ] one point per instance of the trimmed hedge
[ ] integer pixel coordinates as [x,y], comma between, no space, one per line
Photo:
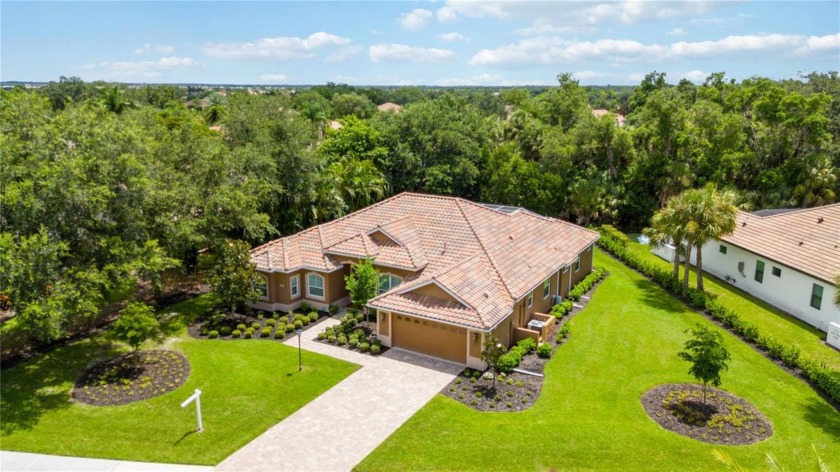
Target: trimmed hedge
[584,285]
[823,377]
[511,359]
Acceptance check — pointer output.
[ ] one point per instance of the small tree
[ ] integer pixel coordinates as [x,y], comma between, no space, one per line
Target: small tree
[491,351]
[233,275]
[136,324]
[707,354]
[362,283]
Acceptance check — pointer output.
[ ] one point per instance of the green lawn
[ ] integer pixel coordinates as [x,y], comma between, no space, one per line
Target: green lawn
[247,385]
[771,320]
[589,416]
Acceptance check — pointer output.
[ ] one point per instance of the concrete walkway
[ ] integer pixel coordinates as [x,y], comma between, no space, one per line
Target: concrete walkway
[337,430]
[26,462]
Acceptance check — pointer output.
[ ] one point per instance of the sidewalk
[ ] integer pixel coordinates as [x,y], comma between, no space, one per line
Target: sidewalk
[26,462]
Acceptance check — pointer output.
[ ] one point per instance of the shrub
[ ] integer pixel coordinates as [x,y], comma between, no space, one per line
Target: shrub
[376,342]
[562,309]
[249,333]
[353,342]
[322,336]
[467,373]
[241,327]
[213,334]
[298,324]
[224,330]
[364,347]
[332,309]
[313,317]
[260,316]
[563,333]
[298,317]
[304,307]
[275,315]
[236,333]
[331,339]
[375,349]
[529,344]
[270,322]
[290,328]
[279,333]
[265,332]
[544,350]
[255,326]
[342,340]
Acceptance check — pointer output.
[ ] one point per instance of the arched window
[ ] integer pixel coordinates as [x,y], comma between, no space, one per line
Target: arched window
[315,286]
[261,286]
[387,282]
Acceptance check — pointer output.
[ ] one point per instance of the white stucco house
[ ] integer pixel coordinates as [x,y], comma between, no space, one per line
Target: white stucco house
[788,258]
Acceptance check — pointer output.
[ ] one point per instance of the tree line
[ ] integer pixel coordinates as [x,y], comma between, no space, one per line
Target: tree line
[103,183]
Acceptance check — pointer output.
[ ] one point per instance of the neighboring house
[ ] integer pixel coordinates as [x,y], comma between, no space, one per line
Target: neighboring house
[600,112]
[388,106]
[786,258]
[451,271]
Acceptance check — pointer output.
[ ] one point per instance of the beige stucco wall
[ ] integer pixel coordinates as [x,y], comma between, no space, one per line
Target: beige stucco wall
[585,267]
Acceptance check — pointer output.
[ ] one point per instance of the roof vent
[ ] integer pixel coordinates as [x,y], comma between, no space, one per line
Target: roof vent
[820,220]
[444,249]
[801,242]
[510,236]
[486,295]
[743,224]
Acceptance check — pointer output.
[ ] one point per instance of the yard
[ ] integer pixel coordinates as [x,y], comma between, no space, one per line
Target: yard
[773,321]
[589,415]
[247,385]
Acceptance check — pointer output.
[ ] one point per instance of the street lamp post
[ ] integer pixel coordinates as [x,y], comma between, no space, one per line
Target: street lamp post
[300,358]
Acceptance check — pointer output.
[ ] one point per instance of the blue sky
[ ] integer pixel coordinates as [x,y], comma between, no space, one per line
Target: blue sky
[450,42]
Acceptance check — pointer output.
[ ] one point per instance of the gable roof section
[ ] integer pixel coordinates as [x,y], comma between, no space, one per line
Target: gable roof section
[487,257]
[805,240]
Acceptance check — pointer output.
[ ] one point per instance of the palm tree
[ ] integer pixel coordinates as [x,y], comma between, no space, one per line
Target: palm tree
[666,227]
[715,217]
[114,99]
[837,292]
[360,182]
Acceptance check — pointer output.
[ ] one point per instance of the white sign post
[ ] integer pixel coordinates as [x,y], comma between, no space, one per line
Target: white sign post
[197,398]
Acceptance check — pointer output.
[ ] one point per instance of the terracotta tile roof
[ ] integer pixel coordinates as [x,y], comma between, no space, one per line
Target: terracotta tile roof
[388,106]
[486,257]
[805,240]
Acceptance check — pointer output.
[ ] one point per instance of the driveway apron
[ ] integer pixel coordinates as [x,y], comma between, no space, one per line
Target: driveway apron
[335,431]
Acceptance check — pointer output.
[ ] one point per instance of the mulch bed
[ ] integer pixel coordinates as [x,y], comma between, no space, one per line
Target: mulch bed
[723,419]
[516,392]
[196,329]
[369,327]
[131,377]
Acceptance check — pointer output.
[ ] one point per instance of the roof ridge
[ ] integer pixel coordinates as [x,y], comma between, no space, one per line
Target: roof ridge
[792,211]
[483,249]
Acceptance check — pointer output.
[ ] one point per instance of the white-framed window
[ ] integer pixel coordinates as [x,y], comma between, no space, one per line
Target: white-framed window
[294,286]
[546,288]
[315,286]
[261,286]
[387,282]
[530,299]
[577,264]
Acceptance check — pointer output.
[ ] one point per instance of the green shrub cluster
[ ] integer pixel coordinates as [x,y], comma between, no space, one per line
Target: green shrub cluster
[265,332]
[270,322]
[825,378]
[584,285]
[563,333]
[224,330]
[236,333]
[562,309]
[511,359]
[375,348]
[544,350]
[249,333]
[213,334]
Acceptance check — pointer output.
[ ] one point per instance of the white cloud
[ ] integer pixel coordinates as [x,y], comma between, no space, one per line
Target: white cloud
[446,14]
[344,53]
[676,32]
[280,48]
[696,76]
[139,70]
[587,74]
[404,53]
[636,78]
[161,48]
[452,37]
[553,50]
[273,78]
[415,19]
[541,26]
[375,80]
[487,80]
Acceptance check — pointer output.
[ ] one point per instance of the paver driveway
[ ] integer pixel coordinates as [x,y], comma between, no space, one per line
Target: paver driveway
[337,430]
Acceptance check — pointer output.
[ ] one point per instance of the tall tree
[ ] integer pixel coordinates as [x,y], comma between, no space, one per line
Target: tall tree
[715,217]
[135,325]
[234,276]
[362,283]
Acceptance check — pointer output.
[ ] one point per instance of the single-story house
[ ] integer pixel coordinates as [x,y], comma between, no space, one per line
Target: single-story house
[388,106]
[788,258]
[451,271]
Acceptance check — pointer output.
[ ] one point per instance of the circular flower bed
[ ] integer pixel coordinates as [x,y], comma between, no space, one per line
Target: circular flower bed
[723,418]
[131,377]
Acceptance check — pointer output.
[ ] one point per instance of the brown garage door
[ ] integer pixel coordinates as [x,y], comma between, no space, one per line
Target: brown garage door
[435,339]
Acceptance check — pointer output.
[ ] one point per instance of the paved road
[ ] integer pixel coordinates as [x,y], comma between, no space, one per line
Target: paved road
[337,430]
[26,462]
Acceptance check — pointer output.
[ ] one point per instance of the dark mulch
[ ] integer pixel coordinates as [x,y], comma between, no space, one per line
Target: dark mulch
[131,377]
[516,392]
[197,330]
[369,328]
[723,419]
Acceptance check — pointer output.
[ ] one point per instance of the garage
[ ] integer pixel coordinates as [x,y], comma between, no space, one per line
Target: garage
[428,337]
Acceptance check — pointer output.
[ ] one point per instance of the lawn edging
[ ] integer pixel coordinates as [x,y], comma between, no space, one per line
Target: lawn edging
[824,379]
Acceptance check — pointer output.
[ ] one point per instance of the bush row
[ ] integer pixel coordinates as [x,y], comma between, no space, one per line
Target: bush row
[584,285]
[511,359]
[825,378]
